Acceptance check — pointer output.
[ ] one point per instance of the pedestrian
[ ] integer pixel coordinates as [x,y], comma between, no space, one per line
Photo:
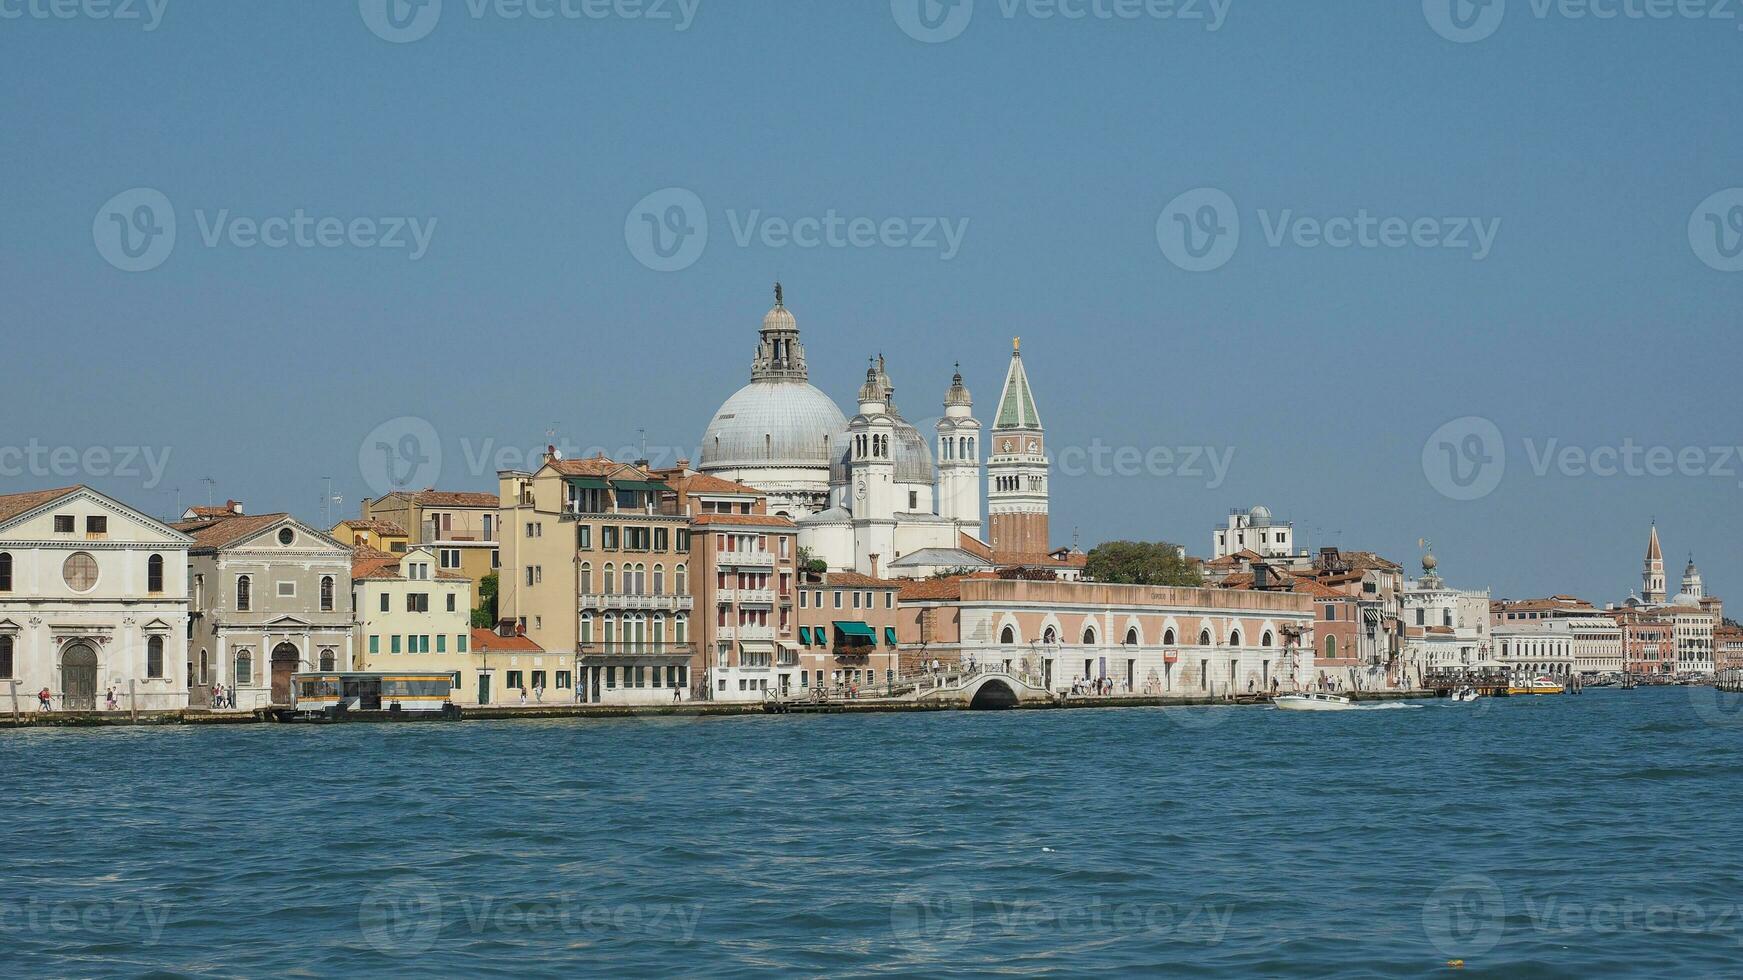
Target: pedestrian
[110,699]
[677,695]
[523,694]
[539,693]
[42,699]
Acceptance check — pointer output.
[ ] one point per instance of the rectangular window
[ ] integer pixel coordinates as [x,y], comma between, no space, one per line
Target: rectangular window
[856,600]
[461,642]
[450,602]
[838,600]
[584,537]
[96,525]
[802,603]
[683,539]
[538,678]
[608,538]
[393,643]
[514,680]
[563,682]
[287,590]
[384,606]
[374,643]
[662,537]
[889,600]
[441,643]
[63,524]
[529,576]
[611,678]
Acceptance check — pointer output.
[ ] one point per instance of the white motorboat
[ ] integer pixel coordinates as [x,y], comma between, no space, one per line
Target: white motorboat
[1312,702]
[1466,694]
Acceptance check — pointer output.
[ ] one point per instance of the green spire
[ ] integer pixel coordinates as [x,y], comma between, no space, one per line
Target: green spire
[1016,404]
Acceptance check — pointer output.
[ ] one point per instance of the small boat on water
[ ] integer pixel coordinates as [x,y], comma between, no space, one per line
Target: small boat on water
[1541,685]
[1312,702]
[1466,694]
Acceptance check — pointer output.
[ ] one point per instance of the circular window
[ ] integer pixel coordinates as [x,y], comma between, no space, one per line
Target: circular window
[80,572]
[286,536]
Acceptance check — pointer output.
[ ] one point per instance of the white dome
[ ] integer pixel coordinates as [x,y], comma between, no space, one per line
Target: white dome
[913,457]
[1686,600]
[1260,516]
[773,424]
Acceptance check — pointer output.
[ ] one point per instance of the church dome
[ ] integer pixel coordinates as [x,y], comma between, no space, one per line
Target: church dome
[773,424]
[780,318]
[913,457]
[1686,601]
[1260,516]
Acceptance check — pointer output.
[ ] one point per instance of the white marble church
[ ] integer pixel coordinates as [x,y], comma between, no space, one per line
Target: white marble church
[868,493]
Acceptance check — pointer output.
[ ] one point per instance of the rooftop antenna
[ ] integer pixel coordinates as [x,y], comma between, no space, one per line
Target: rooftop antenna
[210,483]
[329,499]
[644,435]
[178,492]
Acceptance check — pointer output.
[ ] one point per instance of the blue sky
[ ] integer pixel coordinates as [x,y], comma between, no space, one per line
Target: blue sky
[1586,144]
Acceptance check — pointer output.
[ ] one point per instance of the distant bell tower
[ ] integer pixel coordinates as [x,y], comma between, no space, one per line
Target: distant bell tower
[1017,468]
[959,458]
[1652,576]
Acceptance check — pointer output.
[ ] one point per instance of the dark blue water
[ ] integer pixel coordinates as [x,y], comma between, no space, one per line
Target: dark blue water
[1548,837]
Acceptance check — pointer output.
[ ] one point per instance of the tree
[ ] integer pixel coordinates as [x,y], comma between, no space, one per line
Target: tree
[484,617]
[1141,563]
[810,563]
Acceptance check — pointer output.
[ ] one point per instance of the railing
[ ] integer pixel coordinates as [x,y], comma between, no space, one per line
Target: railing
[633,649]
[765,597]
[745,632]
[616,600]
[758,558]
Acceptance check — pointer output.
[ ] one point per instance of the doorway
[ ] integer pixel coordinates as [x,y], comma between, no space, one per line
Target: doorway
[484,687]
[79,678]
[284,664]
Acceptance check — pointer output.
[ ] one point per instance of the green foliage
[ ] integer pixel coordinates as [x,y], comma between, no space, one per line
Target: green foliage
[1141,563]
[484,616]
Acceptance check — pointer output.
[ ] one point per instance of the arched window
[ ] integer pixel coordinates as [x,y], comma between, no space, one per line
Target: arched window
[154,657]
[1008,637]
[5,656]
[586,628]
[244,593]
[244,668]
[586,577]
[1049,635]
[1204,638]
[681,630]
[1265,640]
[641,579]
[681,583]
[154,573]
[205,664]
[1132,637]
[5,572]
[610,630]
[327,660]
[659,632]
[1089,636]
[1331,648]
[610,578]
[659,580]
[327,598]
[1234,638]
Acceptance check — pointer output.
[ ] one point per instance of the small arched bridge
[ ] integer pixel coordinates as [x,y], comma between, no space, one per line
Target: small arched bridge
[981,690]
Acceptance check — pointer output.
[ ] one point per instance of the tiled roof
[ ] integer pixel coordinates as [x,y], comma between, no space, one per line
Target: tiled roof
[13,504]
[229,530]
[937,589]
[855,580]
[369,563]
[487,640]
[1369,561]
[599,466]
[1038,560]
[387,528]
[446,498]
[1242,557]
[739,520]
[703,483]
[974,546]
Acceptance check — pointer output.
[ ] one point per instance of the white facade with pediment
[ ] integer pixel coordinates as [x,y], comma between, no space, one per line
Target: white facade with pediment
[93,598]
[298,616]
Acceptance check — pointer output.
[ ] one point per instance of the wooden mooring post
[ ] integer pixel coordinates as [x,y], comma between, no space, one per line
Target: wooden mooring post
[133,700]
[15,700]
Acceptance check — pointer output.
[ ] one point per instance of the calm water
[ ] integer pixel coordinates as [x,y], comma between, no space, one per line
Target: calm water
[1548,837]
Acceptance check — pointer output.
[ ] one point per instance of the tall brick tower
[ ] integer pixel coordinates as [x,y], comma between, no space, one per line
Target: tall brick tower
[1017,468]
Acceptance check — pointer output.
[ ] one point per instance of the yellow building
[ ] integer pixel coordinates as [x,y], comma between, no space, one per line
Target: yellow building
[376,535]
[412,615]
[462,529]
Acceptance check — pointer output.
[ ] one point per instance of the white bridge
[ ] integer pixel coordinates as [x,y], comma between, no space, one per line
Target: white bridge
[979,687]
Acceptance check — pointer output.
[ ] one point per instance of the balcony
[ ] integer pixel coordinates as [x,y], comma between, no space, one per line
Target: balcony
[665,651]
[655,603]
[744,632]
[749,597]
[753,559]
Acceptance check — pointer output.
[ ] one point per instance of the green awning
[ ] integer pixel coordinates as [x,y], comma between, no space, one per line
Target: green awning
[889,636]
[805,635]
[589,482]
[640,486]
[857,630]
[819,636]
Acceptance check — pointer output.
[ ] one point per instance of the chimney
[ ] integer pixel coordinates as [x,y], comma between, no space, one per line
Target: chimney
[234,507]
[683,465]
[874,565]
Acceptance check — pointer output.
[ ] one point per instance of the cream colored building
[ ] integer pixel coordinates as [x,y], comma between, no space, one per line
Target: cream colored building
[461,528]
[413,616]
[93,597]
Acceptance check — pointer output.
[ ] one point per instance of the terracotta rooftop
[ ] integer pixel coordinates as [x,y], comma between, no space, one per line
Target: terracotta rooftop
[13,504]
[490,641]
[1038,559]
[387,528]
[741,520]
[228,530]
[936,589]
[974,546]
[855,580]
[599,466]
[448,498]
[703,483]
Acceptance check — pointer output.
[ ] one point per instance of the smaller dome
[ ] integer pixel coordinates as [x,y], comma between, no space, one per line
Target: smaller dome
[958,393]
[1259,516]
[1429,562]
[1686,601]
[834,515]
[780,318]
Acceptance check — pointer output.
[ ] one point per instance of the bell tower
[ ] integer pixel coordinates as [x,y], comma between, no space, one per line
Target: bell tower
[1652,575]
[1017,467]
[958,458]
